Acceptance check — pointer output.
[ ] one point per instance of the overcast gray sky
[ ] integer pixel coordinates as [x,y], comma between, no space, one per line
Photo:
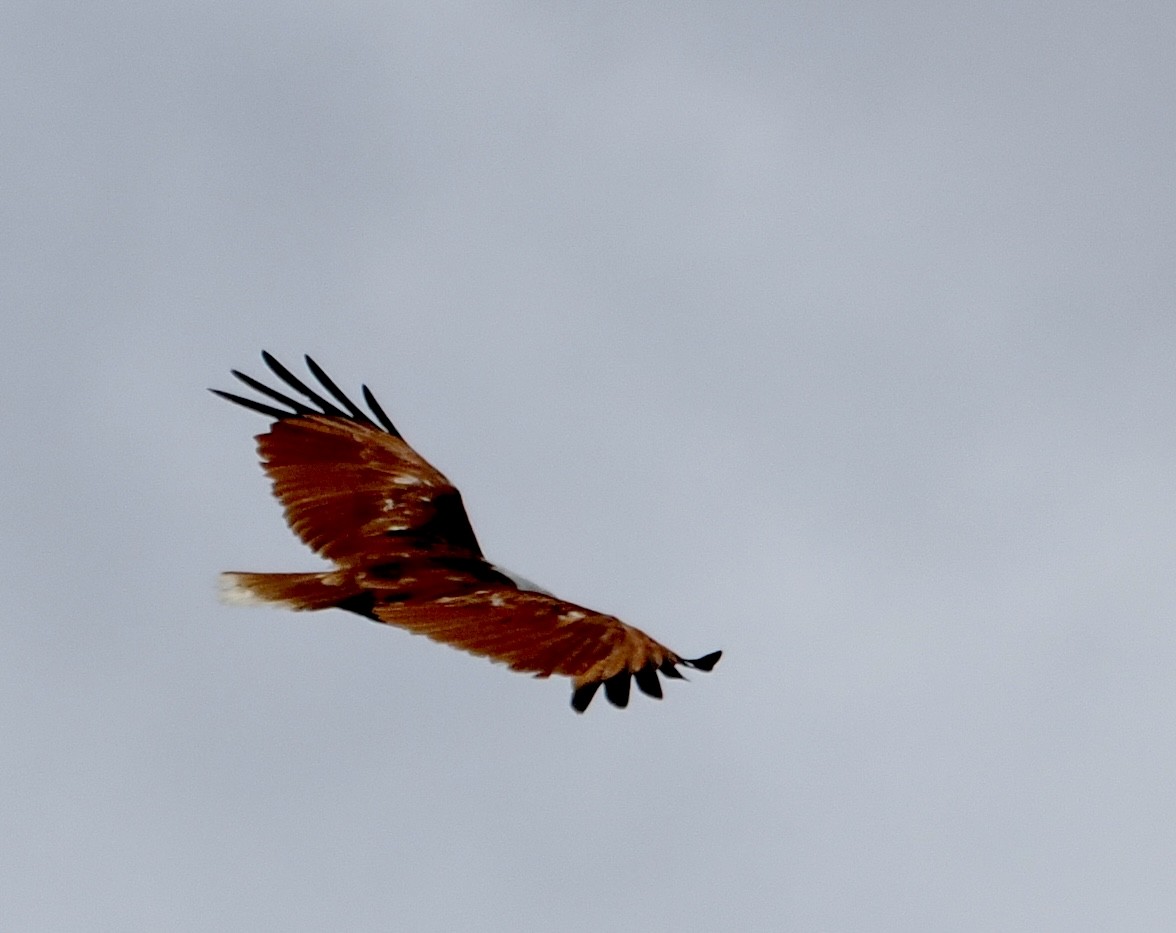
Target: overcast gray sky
[838,336]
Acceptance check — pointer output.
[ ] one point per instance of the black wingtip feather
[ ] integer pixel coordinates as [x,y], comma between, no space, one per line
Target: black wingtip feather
[296,407]
[669,670]
[249,403]
[300,408]
[706,662]
[298,385]
[329,384]
[582,696]
[648,683]
[379,412]
[616,688]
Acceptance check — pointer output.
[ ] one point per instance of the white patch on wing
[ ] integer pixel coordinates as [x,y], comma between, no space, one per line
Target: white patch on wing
[405,479]
[573,616]
[496,599]
[523,583]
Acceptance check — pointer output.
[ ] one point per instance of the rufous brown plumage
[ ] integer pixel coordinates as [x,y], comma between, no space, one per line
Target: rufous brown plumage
[404,552]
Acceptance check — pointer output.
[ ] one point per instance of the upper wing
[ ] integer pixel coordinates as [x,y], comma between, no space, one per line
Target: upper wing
[353,489]
[539,633]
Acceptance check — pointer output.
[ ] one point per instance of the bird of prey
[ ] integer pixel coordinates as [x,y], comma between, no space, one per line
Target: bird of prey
[404,552]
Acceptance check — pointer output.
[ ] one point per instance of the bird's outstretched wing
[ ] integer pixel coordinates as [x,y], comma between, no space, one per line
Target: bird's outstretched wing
[406,555]
[352,489]
[544,635]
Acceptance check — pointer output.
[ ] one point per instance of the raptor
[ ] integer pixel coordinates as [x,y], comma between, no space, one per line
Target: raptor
[404,553]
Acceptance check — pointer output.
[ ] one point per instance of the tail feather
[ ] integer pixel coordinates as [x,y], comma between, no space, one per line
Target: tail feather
[300,591]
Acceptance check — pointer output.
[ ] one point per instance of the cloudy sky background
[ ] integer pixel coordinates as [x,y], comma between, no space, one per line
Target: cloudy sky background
[838,336]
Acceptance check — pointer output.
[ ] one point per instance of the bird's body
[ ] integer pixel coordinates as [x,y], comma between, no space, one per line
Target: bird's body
[405,553]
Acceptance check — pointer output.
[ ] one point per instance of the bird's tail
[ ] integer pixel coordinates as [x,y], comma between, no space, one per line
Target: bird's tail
[291,590]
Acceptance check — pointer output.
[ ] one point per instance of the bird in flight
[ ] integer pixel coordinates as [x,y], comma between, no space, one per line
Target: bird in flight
[404,552]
